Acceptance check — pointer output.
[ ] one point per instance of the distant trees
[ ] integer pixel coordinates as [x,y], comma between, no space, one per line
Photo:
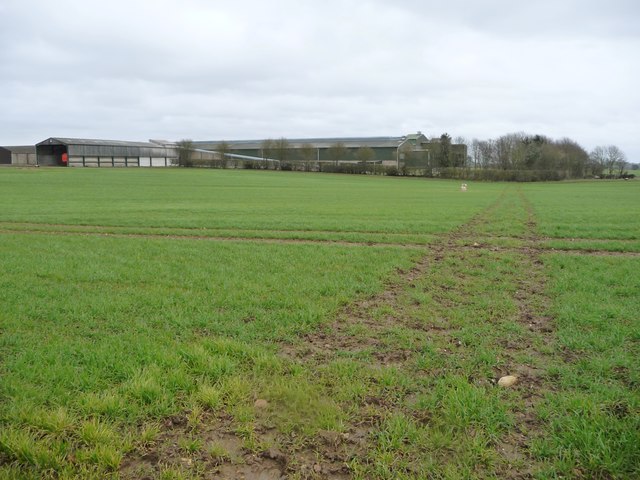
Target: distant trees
[281,150]
[520,156]
[185,152]
[616,160]
[442,153]
[307,152]
[513,157]
[267,147]
[573,159]
[597,161]
[607,160]
[338,151]
[445,150]
[485,149]
[223,148]
[505,154]
[365,155]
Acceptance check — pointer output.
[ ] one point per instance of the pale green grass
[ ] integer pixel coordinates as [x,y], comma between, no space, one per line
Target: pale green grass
[231,200]
[215,234]
[100,334]
[602,245]
[593,418]
[103,338]
[590,210]
[449,416]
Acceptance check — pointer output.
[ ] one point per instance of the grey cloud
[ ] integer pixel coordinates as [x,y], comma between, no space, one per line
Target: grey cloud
[205,70]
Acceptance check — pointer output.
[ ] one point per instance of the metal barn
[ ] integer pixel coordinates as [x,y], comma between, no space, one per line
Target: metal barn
[412,150]
[5,156]
[80,152]
[385,147]
[18,155]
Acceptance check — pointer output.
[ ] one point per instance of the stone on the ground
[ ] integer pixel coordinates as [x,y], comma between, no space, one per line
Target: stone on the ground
[507,380]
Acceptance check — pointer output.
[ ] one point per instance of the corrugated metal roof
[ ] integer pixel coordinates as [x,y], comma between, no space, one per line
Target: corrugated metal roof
[20,148]
[416,136]
[95,142]
[351,142]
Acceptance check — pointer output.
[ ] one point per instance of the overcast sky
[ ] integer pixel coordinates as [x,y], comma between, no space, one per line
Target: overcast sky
[249,69]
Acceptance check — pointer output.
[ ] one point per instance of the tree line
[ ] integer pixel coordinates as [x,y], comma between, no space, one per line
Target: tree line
[511,157]
[537,157]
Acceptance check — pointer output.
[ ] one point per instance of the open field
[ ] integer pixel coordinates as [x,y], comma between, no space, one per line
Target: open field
[182,324]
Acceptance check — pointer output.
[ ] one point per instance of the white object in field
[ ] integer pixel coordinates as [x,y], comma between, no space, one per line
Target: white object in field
[507,381]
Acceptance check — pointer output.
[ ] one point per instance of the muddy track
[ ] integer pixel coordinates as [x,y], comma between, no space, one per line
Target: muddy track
[360,331]
[481,241]
[336,337]
[328,455]
[90,227]
[323,346]
[458,238]
[533,305]
[265,240]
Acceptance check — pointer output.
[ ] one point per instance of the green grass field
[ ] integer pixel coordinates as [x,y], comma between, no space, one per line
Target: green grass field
[181,324]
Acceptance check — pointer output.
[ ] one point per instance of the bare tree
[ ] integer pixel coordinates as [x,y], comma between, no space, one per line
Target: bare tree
[598,160]
[616,159]
[476,152]
[223,148]
[281,149]
[365,155]
[307,152]
[487,153]
[267,148]
[537,157]
[338,151]
[506,146]
[185,152]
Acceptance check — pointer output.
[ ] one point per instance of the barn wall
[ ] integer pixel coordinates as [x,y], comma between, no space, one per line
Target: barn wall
[5,156]
[90,153]
[21,155]
[24,159]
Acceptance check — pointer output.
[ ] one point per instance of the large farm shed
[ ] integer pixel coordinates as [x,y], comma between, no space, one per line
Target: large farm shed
[18,155]
[385,147]
[78,152]
[390,151]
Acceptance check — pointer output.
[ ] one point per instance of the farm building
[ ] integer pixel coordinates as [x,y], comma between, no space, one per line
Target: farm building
[79,152]
[18,155]
[414,150]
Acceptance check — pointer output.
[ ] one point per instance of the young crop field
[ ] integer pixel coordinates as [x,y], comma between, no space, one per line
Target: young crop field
[204,324]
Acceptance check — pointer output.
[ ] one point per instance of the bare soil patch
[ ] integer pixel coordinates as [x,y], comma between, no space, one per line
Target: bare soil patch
[224,455]
[360,328]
